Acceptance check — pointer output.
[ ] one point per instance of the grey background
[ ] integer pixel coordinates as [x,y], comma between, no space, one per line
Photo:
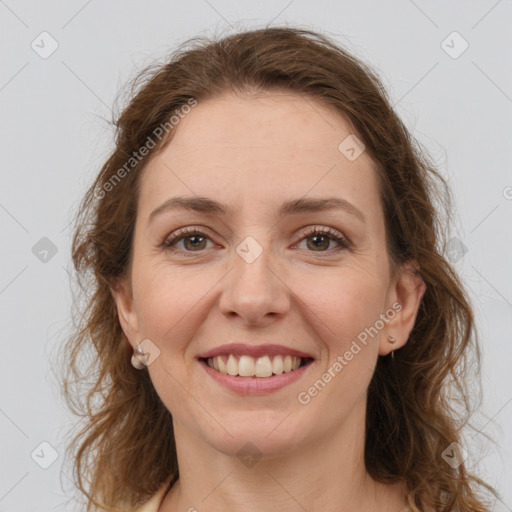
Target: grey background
[54,139]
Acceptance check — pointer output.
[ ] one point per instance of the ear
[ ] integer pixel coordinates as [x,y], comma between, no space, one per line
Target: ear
[123,297]
[407,289]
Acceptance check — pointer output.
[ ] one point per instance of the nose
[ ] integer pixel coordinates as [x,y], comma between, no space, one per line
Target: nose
[254,290]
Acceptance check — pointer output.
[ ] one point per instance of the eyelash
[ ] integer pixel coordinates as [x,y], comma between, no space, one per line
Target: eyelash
[183,233]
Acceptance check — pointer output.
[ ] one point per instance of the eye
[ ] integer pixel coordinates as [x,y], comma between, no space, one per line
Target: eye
[194,240]
[321,237]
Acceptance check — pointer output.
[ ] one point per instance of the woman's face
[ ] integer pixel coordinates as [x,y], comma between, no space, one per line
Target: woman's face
[256,276]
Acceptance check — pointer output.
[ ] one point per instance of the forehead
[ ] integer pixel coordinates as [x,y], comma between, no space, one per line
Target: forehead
[265,149]
[274,120]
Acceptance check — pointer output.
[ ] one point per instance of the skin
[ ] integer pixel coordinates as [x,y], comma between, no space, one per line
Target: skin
[254,153]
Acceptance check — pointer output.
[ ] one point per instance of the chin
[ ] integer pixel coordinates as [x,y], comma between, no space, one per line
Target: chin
[259,438]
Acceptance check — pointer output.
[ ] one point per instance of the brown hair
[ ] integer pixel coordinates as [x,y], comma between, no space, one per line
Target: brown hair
[417,402]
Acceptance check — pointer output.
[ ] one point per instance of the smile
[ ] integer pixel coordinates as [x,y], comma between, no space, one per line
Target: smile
[248,369]
[262,367]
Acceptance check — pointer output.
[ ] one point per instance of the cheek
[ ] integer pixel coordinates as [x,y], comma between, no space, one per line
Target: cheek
[342,308]
[341,304]
[168,302]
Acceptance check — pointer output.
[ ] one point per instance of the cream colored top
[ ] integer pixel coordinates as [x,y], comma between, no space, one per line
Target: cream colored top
[153,504]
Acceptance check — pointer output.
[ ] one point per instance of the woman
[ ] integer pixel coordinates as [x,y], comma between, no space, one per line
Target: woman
[274,324]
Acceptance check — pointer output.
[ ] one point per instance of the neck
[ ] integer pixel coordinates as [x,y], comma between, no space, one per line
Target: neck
[327,473]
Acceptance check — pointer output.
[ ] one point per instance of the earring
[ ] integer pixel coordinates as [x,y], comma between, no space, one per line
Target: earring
[391,340]
[138,358]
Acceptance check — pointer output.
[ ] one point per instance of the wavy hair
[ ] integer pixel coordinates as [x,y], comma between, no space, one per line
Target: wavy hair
[418,401]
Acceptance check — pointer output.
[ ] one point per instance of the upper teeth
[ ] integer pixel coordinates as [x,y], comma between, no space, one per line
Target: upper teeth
[247,366]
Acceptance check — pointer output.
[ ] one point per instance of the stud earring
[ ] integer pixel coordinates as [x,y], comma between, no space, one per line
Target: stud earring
[391,340]
[138,358]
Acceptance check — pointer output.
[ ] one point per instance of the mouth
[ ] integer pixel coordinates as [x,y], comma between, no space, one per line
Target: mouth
[251,370]
[261,367]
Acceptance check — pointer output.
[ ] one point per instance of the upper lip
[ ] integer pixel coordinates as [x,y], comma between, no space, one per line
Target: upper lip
[254,351]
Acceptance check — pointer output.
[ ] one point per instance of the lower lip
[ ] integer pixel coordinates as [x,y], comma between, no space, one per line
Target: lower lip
[255,385]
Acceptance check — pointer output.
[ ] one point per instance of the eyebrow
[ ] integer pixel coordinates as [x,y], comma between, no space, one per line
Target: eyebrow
[291,207]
